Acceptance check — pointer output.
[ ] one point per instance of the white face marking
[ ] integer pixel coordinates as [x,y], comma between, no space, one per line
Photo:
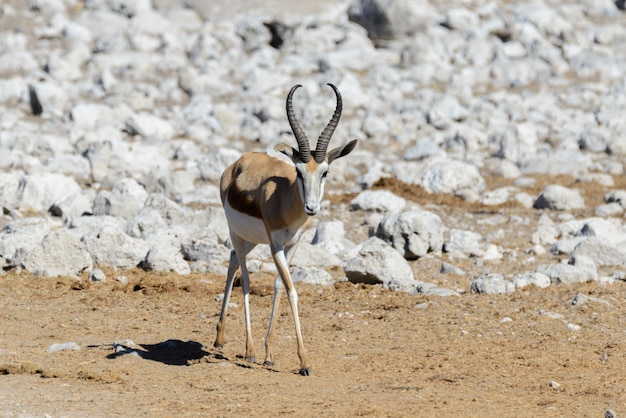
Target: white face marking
[311,184]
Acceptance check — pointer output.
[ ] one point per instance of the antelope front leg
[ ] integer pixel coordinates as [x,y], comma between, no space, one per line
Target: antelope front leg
[283,271]
[245,286]
[269,339]
[233,265]
[278,290]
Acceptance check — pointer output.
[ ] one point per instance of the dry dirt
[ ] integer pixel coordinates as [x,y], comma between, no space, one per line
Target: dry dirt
[146,346]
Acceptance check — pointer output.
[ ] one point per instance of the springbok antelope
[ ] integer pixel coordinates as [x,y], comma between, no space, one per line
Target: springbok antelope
[268,201]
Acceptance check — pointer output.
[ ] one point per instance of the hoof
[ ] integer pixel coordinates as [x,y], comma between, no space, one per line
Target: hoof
[268,363]
[218,345]
[305,371]
[251,359]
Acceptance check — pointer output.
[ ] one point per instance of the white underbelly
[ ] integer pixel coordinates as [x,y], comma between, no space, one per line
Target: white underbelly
[245,226]
[253,229]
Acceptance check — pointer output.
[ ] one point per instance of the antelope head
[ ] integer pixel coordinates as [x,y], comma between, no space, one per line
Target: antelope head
[312,166]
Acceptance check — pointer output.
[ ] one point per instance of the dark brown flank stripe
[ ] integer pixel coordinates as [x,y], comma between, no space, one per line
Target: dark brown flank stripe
[243,201]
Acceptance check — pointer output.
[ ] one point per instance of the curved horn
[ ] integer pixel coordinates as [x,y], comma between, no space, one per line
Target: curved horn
[322,143]
[303,142]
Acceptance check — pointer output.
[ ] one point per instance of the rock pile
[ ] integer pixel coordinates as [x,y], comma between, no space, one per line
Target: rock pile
[118,117]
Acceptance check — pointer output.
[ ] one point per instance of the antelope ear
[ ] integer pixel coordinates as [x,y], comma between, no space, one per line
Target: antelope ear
[341,151]
[288,150]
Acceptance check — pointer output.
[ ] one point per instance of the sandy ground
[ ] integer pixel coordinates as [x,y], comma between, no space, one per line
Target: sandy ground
[146,347]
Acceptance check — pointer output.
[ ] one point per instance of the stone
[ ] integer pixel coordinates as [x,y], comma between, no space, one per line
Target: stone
[378,263]
[74,205]
[22,235]
[115,204]
[413,234]
[169,210]
[602,253]
[332,236]
[462,241]
[492,283]
[447,268]
[308,255]
[565,273]
[60,254]
[97,275]
[165,255]
[53,348]
[556,197]
[41,191]
[110,246]
[538,279]
[385,19]
[451,177]
[378,201]
[311,275]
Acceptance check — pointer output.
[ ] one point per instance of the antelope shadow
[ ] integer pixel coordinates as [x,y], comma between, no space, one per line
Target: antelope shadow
[170,352]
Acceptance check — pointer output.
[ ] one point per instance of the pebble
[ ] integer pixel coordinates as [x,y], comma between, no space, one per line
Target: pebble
[63,346]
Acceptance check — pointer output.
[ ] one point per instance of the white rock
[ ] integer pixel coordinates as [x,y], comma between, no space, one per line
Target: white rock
[60,253]
[505,168]
[492,283]
[86,224]
[311,275]
[566,245]
[462,241]
[165,255]
[616,196]
[97,275]
[206,195]
[43,190]
[447,268]
[603,253]
[150,127]
[422,149]
[332,236]
[169,210]
[74,205]
[146,222]
[535,278]
[17,62]
[375,126]
[609,209]
[205,249]
[379,263]
[462,19]
[413,234]
[388,18]
[585,263]
[110,246]
[608,230]
[112,160]
[565,273]
[519,143]
[497,196]
[445,111]
[10,189]
[172,184]
[213,165]
[308,255]
[53,348]
[70,165]
[557,197]
[11,90]
[451,177]
[378,201]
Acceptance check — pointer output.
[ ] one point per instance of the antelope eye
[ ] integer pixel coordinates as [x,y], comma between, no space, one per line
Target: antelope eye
[324,174]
